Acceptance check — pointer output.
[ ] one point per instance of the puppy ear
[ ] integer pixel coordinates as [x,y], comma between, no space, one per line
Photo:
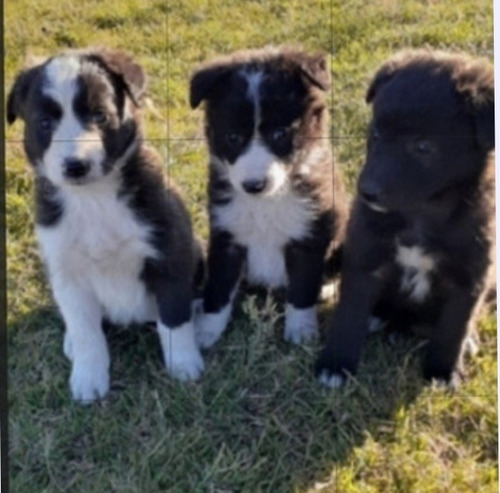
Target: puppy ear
[476,84]
[123,66]
[17,96]
[383,75]
[315,68]
[203,83]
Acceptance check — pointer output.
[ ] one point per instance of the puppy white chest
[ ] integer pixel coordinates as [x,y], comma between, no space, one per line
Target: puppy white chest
[101,247]
[264,225]
[417,267]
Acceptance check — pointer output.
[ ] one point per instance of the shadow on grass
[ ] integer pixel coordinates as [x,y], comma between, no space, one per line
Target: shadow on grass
[257,420]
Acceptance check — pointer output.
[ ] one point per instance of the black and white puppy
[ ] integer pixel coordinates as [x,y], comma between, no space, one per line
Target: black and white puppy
[276,201]
[116,241]
[419,249]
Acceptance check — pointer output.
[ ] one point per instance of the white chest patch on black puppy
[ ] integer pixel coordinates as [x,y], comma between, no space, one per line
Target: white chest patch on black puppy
[417,267]
[264,226]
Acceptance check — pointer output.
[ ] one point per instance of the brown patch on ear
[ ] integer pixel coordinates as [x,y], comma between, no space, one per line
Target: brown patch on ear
[123,65]
[19,92]
[315,68]
[204,81]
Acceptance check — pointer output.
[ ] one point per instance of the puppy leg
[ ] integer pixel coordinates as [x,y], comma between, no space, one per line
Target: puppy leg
[448,342]
[359,292]
[225,263]
[175,329]
[84,341]
[305,271]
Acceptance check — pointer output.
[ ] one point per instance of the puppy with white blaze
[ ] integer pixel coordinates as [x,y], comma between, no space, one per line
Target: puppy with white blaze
[276,202]
[116,240]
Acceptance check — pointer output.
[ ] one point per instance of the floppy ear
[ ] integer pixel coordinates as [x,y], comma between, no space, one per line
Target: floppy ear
[123,66]
[476,87]
[383,75]
[315,68]
[17,96]
[203,83]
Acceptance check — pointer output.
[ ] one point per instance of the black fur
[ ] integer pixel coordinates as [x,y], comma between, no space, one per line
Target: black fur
[428,183]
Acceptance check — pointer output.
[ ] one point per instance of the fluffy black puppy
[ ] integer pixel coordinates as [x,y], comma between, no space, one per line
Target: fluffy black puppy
[420,243]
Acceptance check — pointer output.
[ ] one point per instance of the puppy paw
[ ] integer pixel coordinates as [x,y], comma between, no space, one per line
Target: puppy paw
[209,327]
[185,365]
[89,379]
[180,352]
[301,325]
[331,380]
[442,376]
[327,370]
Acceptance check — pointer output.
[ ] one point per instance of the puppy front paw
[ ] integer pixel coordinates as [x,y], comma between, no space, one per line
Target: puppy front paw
[301,325]
[180,352]
[89,379]
[208,327]
[442,375]
[326,373]
[185,365]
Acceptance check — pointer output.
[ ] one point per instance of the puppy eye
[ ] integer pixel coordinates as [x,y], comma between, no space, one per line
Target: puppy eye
[375,133]
[234,139]
[99,117]
[424,147]
[44,124]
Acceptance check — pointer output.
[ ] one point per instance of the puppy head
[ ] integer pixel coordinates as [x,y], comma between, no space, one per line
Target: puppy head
[265,115]
[80,113]
[432,127]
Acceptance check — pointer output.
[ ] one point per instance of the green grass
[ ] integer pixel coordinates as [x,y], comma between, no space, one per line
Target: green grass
[257,421]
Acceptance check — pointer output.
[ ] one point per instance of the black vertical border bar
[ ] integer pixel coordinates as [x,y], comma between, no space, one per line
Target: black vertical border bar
[4,450]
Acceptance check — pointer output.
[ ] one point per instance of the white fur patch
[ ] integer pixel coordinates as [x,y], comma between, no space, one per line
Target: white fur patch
[264,225]
[210,326]
[84,341]
[99,244]
[258,163]
[334,381]
[301,325]
[70,139]
[328,291]
[416,269]
[254,79]
[182,356]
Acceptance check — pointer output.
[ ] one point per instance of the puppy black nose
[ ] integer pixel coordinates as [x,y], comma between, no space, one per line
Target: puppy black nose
[369,192]
[76,168]
[254,186]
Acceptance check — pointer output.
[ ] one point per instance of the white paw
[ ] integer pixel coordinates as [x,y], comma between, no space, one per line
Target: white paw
[89,379]
[210,326]
[185,365]
[68,346]
[181,354]
[333,381]
[301,325]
